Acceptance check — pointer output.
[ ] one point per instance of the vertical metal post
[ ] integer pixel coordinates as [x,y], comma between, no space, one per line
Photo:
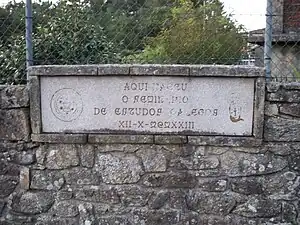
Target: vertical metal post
[268,40]
[28,36]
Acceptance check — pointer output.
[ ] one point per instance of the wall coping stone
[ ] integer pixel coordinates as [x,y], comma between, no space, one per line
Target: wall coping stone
[146,69]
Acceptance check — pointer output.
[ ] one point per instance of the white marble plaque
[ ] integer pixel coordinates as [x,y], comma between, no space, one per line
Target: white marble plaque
[147,104]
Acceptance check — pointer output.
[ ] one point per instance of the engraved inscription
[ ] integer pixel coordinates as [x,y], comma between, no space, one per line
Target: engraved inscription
[187,105]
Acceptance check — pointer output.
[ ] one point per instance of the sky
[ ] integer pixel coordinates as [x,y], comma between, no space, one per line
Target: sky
[250,13]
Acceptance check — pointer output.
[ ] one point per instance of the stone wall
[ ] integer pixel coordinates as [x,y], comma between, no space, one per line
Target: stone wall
[125,179]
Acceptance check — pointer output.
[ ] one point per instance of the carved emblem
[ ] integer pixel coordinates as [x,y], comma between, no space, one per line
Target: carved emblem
[235,112]
[66,104]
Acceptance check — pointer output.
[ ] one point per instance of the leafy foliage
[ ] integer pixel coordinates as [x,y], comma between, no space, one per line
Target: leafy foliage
[198,33]
[113,31]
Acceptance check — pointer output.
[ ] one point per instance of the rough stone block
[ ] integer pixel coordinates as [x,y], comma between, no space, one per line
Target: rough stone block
[153,160]
[7,185]
[86,213]
[159,200]
[244,164]
[119,169]
[61,157]
[259,207]
[284,96]
[87,155]
[196,161]
[46,180]
[180,180]
[14,97]
[14,124]
[134,196]
[32,202]
[213,185]
[9,169]
[104,194]
[290,109]
[271,109]
[224,141]
[165,217]
[210,203]
[121,139]
[128,148]
[282,129]
[24,178]
[81,176]
[65,209]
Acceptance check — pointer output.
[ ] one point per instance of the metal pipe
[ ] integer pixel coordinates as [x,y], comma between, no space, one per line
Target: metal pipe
[268,40]
[28,36]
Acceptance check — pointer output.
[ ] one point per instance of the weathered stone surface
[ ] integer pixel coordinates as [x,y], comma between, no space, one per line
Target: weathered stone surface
[167,139]
[295,162]
[101,194]
[271,109]
[46,180]
[14,124]
[9,169]
[259,207]
[134,195]
[284,96]
[57,221]
[278,186]
[247,186]
[127,148]
[65,209]
[81,176]
[210,203]
[289,213]
[282,129]
[86,213]
[153,160]
[243,164]
[159,200]
[113,69]
[64,70]
[159,70]
[154,180]
[61,157]
[24,178]
[22,157]
[32,202]
[282,149]
[123,139]
[197,161]
[113,220]
[119,169]
[290,109]
[60,138]
[2,204]
[155,217]
[214,185]
[180,180]
[7,185]
[87,155]
[224,141]
[14,97]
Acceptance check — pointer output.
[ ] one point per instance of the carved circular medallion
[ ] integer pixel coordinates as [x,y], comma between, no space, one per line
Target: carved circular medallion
[66,104]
